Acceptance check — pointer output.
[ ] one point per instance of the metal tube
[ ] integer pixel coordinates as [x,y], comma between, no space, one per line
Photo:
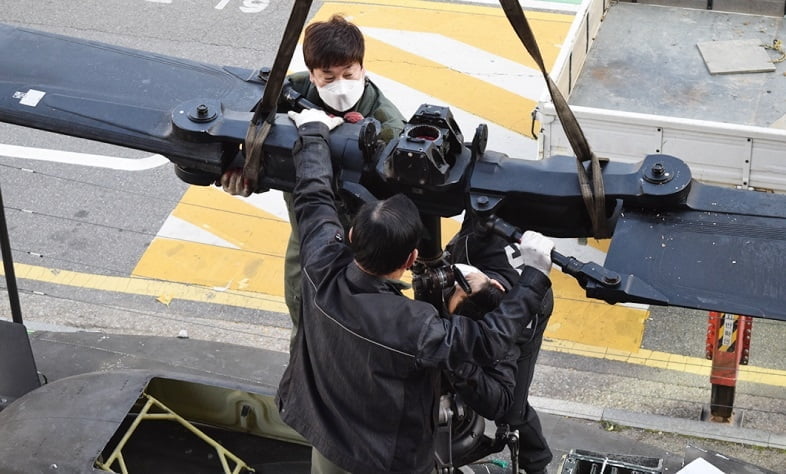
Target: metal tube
[8,266]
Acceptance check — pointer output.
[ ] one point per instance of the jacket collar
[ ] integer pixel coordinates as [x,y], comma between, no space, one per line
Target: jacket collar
[367,282]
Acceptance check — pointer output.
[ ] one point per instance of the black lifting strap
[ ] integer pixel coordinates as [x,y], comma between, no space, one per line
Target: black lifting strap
[591,184]
[265,112]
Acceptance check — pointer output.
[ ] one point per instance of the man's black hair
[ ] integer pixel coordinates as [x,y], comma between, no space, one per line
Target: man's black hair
[480,302]
[384,233]
[335,42]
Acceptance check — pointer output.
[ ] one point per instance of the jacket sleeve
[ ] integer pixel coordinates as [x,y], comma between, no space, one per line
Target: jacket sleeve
[489,252]
[314,203]
[300,83]
[389,116]
[489,390]
[447,342]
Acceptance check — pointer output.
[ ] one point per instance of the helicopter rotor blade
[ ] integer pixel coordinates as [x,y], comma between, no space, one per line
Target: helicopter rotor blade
[119,95]
[730,259]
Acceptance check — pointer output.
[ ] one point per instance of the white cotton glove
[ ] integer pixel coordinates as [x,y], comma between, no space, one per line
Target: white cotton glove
[536,251]
[466,270]
[233,182]
[314,115]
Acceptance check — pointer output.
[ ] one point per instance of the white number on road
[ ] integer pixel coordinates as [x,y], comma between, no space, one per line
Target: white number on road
[248,6]
[254,6]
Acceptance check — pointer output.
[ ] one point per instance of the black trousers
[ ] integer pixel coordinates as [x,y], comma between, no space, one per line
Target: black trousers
[534,451]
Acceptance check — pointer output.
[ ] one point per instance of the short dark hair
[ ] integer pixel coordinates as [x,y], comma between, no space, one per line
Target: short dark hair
[335,42]
[384,233]
[480,302]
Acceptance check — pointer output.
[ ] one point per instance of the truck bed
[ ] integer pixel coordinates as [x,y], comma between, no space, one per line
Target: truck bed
[637,82]
[645,59]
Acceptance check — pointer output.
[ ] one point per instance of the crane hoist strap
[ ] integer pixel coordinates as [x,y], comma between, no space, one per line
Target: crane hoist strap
[265,112]
[590,181]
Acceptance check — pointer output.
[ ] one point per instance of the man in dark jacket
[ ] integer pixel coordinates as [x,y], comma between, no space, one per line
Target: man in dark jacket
[336,81]
[363,380]
[492,266]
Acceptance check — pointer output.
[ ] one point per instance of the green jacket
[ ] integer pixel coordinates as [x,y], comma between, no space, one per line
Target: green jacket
[372,104]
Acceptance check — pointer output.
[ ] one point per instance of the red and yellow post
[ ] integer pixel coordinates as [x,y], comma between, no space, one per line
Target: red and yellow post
[728,346]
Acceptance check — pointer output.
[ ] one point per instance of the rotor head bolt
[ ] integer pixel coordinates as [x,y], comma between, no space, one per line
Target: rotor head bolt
[483,201]
[658,174]
[611,279]
[202,113]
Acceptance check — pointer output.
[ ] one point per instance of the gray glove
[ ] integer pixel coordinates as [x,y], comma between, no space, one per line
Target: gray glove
[536,251]
[314,115]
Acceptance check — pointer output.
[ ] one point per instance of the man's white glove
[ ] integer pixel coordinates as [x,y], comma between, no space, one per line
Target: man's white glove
[314,115]
[536,251]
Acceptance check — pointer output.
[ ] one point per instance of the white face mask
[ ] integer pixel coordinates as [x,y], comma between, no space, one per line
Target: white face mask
[342,94]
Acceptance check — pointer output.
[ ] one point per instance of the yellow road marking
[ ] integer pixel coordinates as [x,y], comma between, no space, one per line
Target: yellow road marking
[593,322]
[152,288]
[231,219]
[257,264]
[602,245]
[664,360]
[492,103]
[407,6]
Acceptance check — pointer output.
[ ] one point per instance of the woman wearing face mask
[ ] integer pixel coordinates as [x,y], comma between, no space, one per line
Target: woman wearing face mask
[336,82]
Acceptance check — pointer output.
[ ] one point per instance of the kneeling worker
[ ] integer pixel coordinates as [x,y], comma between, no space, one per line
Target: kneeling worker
[362,384]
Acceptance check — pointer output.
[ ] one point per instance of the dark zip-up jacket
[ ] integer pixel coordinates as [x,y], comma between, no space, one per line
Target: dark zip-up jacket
[491,391]
[362,384]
